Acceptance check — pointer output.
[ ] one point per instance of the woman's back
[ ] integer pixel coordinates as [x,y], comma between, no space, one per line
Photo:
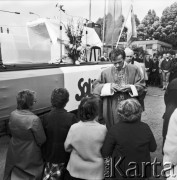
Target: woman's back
[134,140]
[20,124]
[56,126]
[85,140]
[130,141]
[24,158]
[88,139]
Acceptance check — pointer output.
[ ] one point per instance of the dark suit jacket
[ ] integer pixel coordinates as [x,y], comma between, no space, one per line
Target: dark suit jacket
[133,142]
[56,126]
[170,99]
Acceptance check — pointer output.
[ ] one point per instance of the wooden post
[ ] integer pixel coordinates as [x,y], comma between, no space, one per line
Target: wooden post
[1,62]
[104,24]
[60,38]
[90,11]
[113,27]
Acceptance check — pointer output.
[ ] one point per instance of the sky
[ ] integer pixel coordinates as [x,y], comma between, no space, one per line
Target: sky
[76,8]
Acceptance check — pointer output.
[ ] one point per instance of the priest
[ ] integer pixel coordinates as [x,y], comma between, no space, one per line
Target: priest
[116,83]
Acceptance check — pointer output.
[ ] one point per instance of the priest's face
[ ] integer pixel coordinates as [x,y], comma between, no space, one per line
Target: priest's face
[118,62]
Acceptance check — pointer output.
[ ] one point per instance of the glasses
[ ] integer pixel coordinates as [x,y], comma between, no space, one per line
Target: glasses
[129,56]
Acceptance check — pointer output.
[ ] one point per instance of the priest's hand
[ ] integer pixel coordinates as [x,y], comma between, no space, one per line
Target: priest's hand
[125,88]
[114,87]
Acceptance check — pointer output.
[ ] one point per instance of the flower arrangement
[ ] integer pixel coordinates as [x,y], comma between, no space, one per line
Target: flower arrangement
[74,47]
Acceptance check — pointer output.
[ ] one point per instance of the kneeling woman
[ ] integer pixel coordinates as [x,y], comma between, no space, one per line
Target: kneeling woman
[84,141]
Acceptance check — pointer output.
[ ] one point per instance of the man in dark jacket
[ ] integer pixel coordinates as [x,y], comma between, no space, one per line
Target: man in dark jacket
[170,99]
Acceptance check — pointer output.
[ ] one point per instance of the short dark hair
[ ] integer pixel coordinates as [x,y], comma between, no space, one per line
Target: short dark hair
[116,52]
[25,99]
[88,108]
[59,97]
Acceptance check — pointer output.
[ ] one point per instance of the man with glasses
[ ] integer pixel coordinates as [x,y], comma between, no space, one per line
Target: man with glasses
[116,83]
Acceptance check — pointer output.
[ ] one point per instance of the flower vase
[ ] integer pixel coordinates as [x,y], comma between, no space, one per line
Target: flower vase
[75,61]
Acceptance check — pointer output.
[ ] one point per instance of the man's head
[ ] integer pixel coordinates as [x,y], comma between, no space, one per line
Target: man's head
[168,56]
[155,57]
[147,57]
[164,55]
[59,97]
[129,55]
[117,57]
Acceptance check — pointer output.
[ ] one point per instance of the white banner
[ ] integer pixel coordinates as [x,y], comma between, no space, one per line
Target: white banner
[78,81]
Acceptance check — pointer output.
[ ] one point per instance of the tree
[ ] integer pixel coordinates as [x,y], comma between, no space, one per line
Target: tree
[169,24]
[147,28]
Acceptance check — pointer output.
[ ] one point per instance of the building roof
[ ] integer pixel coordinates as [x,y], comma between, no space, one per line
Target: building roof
[149,42]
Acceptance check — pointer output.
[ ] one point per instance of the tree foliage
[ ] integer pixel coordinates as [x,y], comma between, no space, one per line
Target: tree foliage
[148,26]
[169,24]
[163,29]
[152,27]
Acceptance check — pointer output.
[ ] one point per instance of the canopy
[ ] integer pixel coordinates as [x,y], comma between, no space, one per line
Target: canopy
[43,28]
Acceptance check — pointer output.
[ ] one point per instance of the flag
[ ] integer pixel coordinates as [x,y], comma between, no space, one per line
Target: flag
[113,21]
[115,8]
[131,26]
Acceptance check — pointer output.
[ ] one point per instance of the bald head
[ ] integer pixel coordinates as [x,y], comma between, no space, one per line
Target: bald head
[129,55]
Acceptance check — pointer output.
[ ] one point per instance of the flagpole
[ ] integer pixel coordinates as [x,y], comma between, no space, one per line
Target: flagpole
[90,11]
[123,26]
[104,23]
[113,26]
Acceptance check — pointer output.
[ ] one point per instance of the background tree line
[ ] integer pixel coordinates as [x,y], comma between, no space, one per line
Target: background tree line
[151,27]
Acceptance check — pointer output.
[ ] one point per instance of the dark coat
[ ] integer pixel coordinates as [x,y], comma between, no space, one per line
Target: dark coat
[173,70]
[170,99]
[148,64]
[56,126]
[133,142]
[24,157]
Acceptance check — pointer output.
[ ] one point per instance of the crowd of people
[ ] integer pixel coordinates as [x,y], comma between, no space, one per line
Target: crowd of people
[160,68]
[107,129]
